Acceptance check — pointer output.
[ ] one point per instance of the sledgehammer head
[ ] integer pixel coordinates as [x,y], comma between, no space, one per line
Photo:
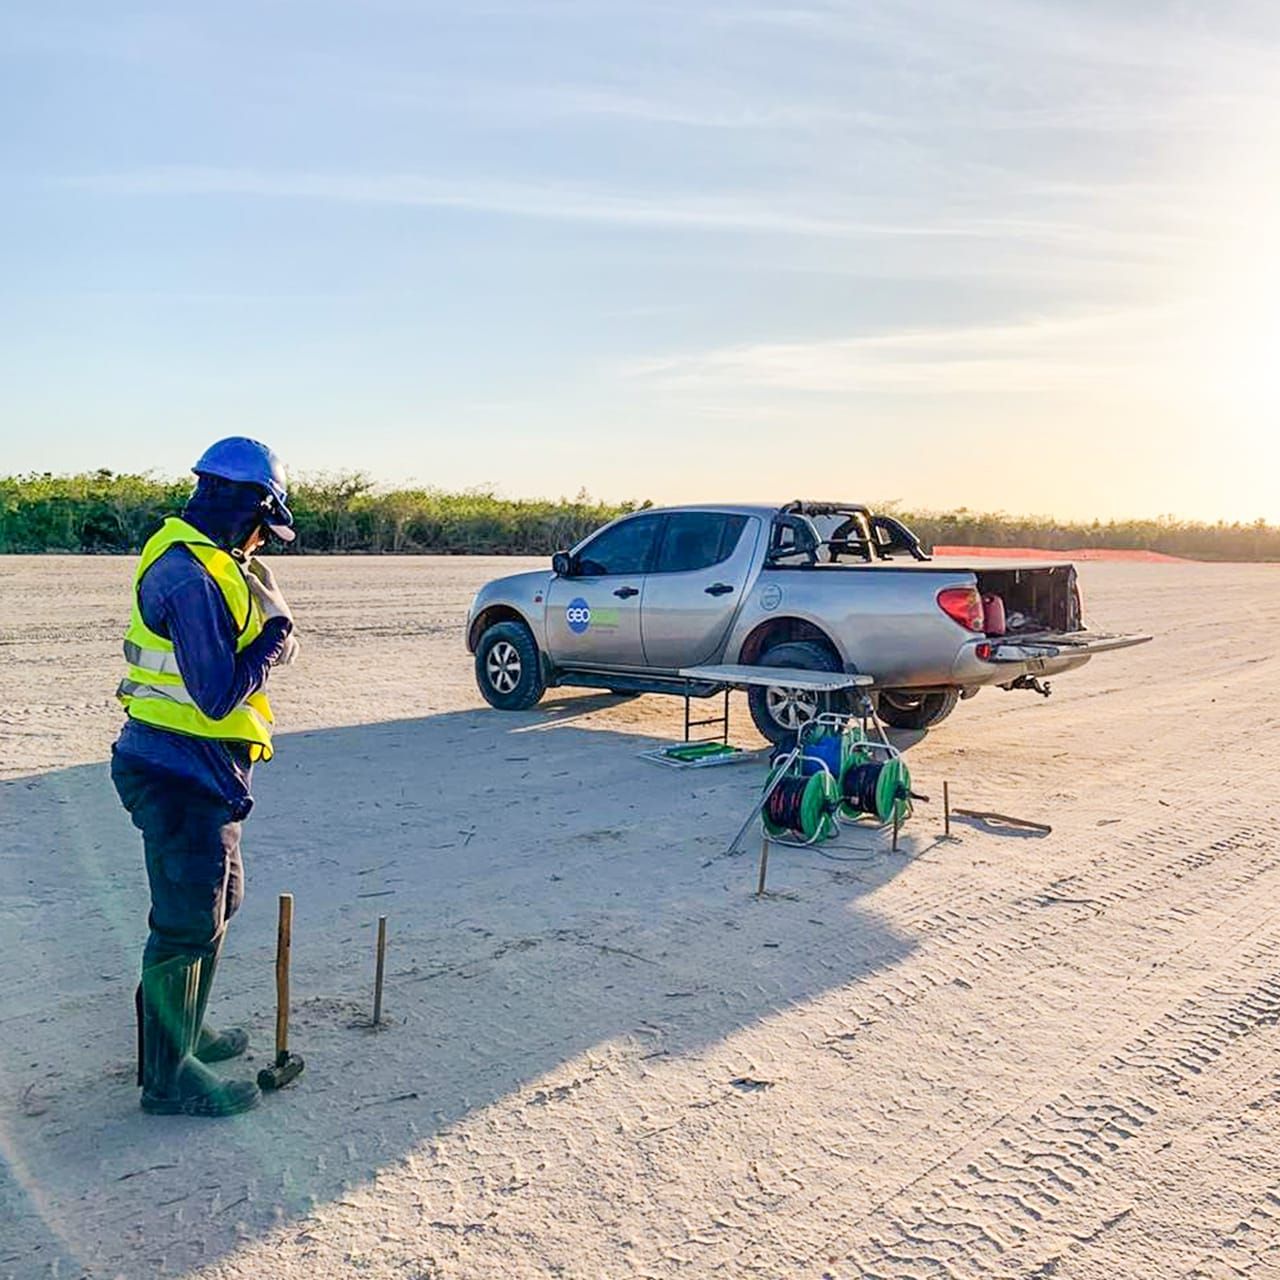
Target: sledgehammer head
[284,1070]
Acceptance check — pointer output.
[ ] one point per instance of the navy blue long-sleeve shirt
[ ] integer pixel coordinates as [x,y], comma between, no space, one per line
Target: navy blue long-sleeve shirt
[180,601]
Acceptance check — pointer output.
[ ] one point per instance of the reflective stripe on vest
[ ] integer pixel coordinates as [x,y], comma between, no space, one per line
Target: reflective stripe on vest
[152,690]
[165,664]
[178,693]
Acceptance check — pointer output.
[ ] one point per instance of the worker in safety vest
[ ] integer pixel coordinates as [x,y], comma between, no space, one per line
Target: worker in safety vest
[207,626]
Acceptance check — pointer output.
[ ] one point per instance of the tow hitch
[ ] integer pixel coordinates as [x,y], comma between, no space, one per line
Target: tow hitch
[1042,687]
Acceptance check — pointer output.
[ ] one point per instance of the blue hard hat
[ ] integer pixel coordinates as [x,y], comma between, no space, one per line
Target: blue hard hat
[251,462]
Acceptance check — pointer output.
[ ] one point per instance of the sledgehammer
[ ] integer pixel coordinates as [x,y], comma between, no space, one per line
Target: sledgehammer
[287,1066]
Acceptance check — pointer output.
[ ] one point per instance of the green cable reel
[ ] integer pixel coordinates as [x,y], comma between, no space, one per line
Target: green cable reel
[816,791]
[855,755]
[818,805]
[892,789]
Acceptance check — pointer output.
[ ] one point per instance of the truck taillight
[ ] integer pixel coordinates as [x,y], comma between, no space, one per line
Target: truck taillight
[963,605]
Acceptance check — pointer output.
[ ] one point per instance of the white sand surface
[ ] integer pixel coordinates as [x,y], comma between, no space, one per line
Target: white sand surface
[996,1056]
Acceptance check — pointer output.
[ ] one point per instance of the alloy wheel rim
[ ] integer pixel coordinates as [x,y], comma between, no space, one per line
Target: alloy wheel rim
[503,666]
[790,708]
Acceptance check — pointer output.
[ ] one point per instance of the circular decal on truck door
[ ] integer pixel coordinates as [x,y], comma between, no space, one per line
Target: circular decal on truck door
[578,615]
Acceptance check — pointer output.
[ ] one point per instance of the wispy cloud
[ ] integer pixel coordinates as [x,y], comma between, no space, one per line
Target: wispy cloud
[685,102]
[1108,110]
[746,213]
[1241,39]
[1040,353]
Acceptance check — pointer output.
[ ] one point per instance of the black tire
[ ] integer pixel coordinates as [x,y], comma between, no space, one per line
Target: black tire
[909,709]
[768,704]
[508,667]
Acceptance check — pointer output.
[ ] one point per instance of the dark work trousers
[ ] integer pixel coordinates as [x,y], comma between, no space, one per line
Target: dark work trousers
[193,861]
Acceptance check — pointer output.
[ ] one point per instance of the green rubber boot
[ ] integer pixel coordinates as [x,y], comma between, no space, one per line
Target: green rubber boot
[174,1082]
[211,1045]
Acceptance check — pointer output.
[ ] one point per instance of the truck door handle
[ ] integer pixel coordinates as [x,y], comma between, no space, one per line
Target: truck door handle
[719,589]
[624,593]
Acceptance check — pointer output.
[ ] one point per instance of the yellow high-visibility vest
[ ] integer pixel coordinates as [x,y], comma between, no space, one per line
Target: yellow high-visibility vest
[152,690]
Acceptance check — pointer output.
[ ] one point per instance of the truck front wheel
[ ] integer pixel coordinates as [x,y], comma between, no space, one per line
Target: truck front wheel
[779,712]
[508,670]
[910,709]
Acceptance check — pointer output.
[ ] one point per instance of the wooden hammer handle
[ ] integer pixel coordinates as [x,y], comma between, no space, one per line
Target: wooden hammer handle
[284,944]
[990,815]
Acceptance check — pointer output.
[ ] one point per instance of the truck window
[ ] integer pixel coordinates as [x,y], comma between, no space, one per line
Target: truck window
[623,548]
[697,540]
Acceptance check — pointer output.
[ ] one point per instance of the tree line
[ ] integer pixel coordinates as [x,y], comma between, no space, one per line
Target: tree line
[102,512]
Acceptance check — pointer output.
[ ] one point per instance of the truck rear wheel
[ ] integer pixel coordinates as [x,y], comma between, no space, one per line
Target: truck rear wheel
[909,709]
[508,670]
[777,712]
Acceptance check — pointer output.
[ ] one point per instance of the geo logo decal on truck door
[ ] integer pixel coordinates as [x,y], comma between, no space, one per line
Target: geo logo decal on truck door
[578,615]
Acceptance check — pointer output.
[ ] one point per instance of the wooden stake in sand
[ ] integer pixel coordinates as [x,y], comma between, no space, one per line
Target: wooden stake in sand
[764,865]
[382,963]
[946,810]
[897,822]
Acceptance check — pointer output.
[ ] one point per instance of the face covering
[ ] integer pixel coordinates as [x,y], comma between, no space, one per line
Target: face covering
[226,511]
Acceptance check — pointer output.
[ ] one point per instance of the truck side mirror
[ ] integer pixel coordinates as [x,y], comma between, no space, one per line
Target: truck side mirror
[562,564]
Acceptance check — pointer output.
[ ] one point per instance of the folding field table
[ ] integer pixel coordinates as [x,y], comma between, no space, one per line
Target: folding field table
[733,675]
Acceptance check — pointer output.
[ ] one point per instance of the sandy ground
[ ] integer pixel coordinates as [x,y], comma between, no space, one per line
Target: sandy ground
[994,1056]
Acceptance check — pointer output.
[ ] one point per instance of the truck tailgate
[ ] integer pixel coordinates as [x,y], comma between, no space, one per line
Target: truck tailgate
[1077,644]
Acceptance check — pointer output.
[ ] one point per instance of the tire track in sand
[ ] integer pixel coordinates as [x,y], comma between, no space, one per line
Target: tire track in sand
[1008,1200]
[994,948]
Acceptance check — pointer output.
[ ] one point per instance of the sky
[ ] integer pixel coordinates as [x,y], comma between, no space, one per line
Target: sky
[1017,255]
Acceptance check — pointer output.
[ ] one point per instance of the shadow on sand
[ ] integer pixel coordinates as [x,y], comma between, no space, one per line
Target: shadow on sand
[547,891]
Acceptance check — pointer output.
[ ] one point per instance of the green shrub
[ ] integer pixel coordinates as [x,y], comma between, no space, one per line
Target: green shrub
[1192,540]
[103,512]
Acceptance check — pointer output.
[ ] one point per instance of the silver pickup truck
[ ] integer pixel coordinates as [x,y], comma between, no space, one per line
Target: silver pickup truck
[815,585]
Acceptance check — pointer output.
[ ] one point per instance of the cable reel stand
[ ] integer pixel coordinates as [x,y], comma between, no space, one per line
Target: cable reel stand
[842,771]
